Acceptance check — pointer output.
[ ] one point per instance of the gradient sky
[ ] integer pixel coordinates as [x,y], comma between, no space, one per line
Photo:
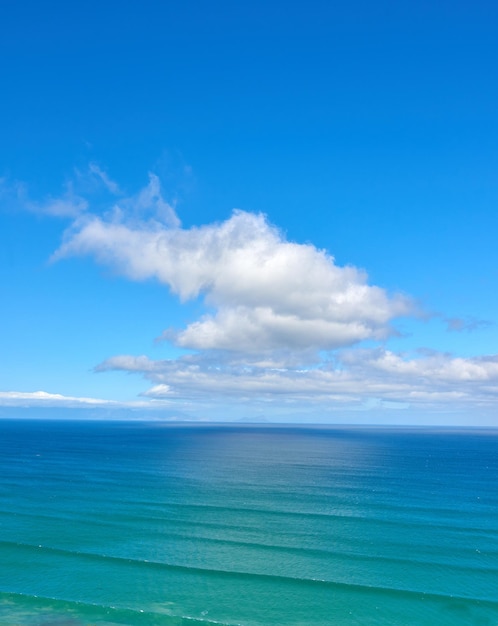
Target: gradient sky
[267,210]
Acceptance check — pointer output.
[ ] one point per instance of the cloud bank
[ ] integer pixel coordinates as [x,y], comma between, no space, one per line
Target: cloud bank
[353,377]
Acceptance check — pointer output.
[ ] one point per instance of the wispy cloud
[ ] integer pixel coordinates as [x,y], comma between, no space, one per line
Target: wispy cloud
[82,192]
[109,184]
[43,398]
[68,205]
[57,400]
[467,324]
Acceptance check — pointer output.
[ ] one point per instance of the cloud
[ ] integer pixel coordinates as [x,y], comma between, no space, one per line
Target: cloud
[433,370]
[57,400]
[283,325]
[41,404]
[468,324]
[68,205]
[43,398]
[90,189]
[265,293]
[150,204]
[353,378]
[101,174]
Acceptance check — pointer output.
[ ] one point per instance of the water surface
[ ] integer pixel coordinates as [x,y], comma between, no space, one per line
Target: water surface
[137,523]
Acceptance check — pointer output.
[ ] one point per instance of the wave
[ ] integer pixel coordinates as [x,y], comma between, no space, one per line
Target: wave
[263,577]
[446,555]
[86,610]
[384,512]
[165,507]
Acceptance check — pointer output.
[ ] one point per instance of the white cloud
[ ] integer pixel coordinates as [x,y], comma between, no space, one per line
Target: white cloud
[43,398]
[436,368]
[69,204]
[57,400]
[354,378]
[101,174]
[267,293]
[282,321]
[149,202]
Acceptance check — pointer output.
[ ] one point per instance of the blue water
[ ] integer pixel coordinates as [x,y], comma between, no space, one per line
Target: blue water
[135,523]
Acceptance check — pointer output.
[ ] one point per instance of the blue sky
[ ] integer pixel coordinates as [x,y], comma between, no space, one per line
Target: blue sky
[280,211]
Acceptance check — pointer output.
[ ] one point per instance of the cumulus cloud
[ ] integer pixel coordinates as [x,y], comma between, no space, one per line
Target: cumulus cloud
[265,292]
[283,324]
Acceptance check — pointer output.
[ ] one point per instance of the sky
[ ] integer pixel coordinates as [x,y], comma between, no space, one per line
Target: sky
[266,211]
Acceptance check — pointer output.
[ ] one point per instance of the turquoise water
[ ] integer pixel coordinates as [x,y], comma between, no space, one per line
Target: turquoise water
[114,523]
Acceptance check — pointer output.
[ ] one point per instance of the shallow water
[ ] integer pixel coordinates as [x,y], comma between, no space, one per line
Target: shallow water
[135,523]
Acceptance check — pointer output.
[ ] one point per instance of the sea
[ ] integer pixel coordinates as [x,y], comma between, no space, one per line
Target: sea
[111,523]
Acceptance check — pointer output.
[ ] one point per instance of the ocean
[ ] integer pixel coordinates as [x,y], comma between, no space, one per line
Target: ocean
[106,523]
